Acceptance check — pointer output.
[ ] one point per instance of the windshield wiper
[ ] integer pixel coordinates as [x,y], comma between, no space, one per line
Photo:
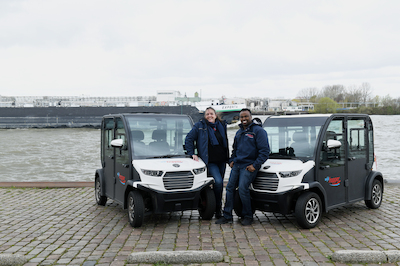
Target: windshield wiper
[168,156]
[277,155]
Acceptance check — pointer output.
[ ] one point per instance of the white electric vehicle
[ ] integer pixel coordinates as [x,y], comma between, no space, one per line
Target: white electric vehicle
[317,163]
[146,170]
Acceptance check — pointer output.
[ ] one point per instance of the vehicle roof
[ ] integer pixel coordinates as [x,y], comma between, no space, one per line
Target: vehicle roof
[300,116]
[299,120]
[146,114]
[316,115]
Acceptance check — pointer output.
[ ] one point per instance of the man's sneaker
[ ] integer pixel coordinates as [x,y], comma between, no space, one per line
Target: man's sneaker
[223,220]
[246,221]
[218,214]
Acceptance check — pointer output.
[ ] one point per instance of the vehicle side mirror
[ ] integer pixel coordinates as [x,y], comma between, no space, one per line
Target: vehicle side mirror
[117,143]
[332,144]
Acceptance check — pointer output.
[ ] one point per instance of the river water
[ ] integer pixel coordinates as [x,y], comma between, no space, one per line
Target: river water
[74,154]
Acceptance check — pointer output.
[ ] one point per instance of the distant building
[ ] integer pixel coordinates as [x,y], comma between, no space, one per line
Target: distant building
[277,105]
[167,95]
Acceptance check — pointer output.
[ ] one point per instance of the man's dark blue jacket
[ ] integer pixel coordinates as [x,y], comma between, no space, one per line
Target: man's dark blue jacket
[250,146]
[198,137]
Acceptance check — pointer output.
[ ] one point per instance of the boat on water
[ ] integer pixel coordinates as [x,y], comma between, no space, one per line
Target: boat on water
[78,112]
[226,109]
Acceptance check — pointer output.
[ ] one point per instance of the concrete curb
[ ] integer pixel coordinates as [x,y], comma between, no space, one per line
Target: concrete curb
[12,259]
[180,257]
[366,256]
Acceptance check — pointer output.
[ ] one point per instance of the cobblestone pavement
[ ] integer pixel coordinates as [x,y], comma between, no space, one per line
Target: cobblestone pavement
[66,227]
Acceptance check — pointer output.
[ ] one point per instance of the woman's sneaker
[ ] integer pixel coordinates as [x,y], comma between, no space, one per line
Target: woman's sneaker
[223,220]
[246,221]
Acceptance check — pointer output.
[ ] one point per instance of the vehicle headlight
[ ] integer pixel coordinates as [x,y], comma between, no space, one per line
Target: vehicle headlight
[152,172]
[199,170]
[289,173]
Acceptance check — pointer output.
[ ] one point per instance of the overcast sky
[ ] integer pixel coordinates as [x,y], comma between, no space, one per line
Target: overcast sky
[232,48]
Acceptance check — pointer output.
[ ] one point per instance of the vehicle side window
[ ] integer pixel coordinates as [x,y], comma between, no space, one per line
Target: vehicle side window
[357,138]
[108,137]
[371,144]
[333,156]
[122,155]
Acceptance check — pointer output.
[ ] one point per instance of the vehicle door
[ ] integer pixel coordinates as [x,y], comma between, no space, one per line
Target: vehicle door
[358,167]
[331,171]
[122,161]
[108,156]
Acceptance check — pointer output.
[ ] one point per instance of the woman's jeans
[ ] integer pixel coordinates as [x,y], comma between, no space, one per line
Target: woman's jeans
[241,178]
[217,171]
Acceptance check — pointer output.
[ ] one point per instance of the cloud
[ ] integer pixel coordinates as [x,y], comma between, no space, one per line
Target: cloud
[232,48]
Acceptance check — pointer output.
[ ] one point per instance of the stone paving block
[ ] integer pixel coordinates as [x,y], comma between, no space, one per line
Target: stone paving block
[98,233]
[183,257]
[359,256]
[392,255]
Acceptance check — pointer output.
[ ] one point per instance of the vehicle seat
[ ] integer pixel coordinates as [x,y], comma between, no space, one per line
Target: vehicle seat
[139,148]
[160,145]
[300,145]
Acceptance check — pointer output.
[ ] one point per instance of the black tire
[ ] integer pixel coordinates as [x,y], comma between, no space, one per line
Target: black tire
[237,204]
[135,208]
[376,195]
[308,210]
[101,200]
[207,204]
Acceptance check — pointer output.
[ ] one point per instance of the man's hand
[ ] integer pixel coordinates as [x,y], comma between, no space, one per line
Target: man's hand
[195,157]
[231,164]
[250,168]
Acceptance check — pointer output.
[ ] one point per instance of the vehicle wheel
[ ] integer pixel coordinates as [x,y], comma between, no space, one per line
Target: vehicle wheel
[376,195]
[135,208]
[308,210]
[207,204]
[101,200]
[237,204]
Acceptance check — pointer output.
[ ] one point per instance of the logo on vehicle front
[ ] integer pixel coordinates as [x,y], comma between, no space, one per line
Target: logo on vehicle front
[333,181]
[176,165]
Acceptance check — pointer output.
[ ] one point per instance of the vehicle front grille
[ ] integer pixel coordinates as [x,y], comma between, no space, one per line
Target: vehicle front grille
[178,180]
[266,181]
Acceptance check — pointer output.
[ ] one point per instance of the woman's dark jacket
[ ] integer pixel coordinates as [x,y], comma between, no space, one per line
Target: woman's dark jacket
[198,138]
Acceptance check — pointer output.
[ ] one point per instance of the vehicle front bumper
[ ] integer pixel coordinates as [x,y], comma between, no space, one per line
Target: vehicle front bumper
[169,201]
[282,202]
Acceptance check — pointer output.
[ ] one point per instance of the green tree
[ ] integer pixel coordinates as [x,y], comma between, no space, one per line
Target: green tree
[326,105]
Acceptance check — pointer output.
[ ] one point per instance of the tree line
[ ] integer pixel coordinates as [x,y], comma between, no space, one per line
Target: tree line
[351,99]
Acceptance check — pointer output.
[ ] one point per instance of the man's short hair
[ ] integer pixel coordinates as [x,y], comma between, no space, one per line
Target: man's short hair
[245,109]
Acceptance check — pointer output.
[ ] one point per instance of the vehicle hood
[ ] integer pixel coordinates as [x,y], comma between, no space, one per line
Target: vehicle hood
[279,165]
[168,164]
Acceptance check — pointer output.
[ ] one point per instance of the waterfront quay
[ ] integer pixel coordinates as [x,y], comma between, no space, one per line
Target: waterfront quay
[65,226]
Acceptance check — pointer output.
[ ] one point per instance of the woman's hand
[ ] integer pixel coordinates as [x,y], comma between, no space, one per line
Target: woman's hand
[195,157]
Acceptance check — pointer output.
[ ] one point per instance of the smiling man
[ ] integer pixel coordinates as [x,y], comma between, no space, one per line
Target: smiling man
[250,151]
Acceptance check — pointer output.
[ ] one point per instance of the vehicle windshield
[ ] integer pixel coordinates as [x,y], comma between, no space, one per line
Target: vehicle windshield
[291,137]
[158,136]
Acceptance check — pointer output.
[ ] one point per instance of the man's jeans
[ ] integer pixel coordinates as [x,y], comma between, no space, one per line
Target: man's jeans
[217,171]
[241,178]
